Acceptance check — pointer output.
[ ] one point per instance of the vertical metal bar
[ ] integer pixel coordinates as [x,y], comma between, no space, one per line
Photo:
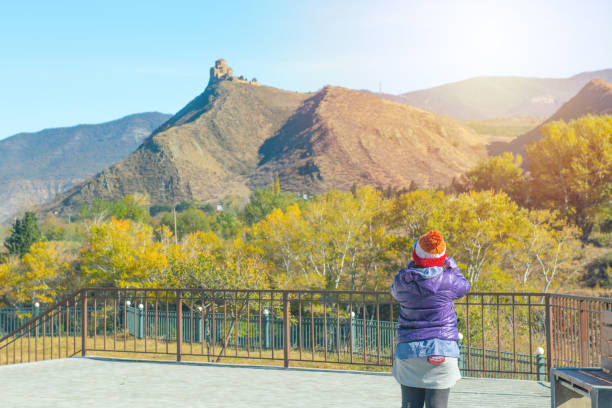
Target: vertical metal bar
[83,326]
[202,323]
[104,330]
[74,328]
[179,325]
[273,329]
[248,298]
[392,329]
[191,327]
[513,335]
[498,337]
[7,347]
[351,317]
[50,340]
[146,318]
[95,318]
[156,319]
[36,327]
[338,326]
[260,326]
[531,370]
[300,323]
[236,322]
[590,331]
[115,321]
[312,326]
[225,337]
[365,330]
[167,323]
[136,320]
[377,330]
[125,328]
[584,353]
[286,334]
[29,355]
[67,325]
[214,333]
[469,336]
[482,312]
[549,332]
[325,324]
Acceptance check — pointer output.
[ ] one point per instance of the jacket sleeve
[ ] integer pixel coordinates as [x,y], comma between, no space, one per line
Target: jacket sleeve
[460,285]
[396,286]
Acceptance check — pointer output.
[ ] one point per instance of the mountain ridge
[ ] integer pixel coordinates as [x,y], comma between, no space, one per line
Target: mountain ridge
[235,135]
[494,97]
[595,98]
[37,165]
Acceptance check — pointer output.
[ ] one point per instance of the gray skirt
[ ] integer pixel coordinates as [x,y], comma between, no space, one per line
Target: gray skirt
[419,373]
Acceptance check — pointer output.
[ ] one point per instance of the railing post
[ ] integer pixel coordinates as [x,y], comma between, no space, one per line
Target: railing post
[141,327]
[540,366]
[286,323]
[179,325]
[83,324]
[354,333]
[459,346]
[266,328]
[549,333]
[584,336]
[36,314]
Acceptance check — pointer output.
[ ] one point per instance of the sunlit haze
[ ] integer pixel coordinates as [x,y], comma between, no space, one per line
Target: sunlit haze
[69,62]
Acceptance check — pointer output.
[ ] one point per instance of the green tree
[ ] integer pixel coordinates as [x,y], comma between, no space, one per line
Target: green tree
[571,168]
[263,201]
[24,233]
[187,222]
[499,173]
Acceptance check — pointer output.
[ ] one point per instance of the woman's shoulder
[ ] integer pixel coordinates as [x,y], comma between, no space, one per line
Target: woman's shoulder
[450,263]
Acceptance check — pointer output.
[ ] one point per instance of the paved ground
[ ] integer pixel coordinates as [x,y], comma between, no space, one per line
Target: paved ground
[98,382]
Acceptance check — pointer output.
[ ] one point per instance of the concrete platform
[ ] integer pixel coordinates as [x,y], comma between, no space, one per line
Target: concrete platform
[100,382]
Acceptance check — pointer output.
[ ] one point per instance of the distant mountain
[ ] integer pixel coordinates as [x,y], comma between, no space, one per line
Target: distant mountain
[339,137]
[500,97]
[34,167]
[236,135]
[595,98]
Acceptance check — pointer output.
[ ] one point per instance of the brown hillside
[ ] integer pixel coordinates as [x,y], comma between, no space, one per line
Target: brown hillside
[236,135]
[595,98]
[341,137]
[205,151]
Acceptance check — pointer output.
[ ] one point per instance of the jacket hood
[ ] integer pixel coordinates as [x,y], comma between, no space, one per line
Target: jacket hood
[424,272]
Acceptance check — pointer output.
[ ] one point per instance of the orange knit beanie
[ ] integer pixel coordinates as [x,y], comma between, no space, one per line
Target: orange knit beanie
[430,250]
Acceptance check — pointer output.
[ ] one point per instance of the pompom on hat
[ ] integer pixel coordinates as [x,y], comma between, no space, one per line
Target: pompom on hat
[430,250]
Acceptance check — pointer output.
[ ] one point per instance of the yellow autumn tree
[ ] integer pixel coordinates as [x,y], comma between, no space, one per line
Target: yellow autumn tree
[124,253]
[278,236]
[499,173]
[571,168]
[205,261]
[8,282]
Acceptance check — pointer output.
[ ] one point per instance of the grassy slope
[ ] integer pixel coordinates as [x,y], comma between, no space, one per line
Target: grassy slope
[503,129]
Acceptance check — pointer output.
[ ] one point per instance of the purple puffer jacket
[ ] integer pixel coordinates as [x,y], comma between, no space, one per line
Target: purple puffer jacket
[426,303]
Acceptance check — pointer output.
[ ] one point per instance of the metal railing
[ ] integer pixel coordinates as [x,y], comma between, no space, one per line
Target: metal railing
[502,331]
[54,333]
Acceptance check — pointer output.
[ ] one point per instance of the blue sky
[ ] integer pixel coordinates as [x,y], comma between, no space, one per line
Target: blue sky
[69,62]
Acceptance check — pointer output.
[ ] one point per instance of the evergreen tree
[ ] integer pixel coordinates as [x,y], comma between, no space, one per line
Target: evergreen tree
[24,233]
